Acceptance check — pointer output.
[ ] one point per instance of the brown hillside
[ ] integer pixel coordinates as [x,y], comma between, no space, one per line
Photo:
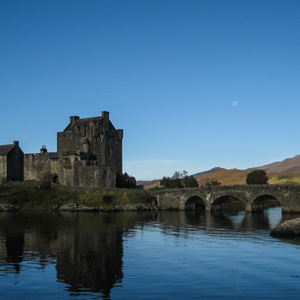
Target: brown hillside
[225,177]
[151,183]
[287,166]
[234,176]
[281,172]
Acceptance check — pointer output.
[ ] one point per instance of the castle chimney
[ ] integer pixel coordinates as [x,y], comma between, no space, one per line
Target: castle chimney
[16,143]
[43,149]
[120,133]
[73,119]
[105,116]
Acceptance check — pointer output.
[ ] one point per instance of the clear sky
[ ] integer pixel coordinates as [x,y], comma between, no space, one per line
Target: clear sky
[194,84]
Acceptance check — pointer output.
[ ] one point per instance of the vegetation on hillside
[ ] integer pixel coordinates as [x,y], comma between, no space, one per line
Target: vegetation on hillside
[293,179]
[212,182]
[237,177]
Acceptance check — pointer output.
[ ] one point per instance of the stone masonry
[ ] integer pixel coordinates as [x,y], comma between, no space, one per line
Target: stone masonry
[89,155]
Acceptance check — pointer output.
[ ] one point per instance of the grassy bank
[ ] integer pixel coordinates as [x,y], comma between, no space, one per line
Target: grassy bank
[33,197]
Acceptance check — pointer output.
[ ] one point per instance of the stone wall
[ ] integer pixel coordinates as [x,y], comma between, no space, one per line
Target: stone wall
[36,165]
[3,167]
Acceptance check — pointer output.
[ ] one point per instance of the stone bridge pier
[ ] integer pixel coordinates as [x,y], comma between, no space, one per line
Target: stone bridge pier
[212,198]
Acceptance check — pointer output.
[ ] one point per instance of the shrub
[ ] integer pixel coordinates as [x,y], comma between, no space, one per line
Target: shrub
[190,182]
[124,181]
[212,182]
[257,177]
[282,177]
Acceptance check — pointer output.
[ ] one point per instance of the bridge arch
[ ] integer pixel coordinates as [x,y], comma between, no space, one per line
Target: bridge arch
[194,203]
[263,201]
[221,201]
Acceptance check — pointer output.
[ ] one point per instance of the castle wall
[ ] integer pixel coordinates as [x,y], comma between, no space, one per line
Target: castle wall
[3,167]
[93,177]
[36,165]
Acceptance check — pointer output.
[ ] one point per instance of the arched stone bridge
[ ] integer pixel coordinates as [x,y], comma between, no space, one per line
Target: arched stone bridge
[211,198]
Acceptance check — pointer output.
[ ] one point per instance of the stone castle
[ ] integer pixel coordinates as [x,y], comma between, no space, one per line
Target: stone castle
[89,154]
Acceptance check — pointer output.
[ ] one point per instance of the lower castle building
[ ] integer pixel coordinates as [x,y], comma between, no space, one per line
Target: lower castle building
[89,154]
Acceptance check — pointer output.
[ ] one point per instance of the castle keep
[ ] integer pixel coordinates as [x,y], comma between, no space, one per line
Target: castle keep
[89,154]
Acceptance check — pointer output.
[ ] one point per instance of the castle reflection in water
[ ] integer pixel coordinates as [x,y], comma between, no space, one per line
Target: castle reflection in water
[88,251]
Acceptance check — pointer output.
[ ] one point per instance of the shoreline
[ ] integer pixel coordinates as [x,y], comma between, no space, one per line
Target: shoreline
[15,196]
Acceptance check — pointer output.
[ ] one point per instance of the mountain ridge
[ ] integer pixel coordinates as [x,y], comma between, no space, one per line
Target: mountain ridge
[288,166]
[286,171]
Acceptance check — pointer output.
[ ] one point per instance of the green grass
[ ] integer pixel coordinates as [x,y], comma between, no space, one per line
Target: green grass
[29,197]
[285,179]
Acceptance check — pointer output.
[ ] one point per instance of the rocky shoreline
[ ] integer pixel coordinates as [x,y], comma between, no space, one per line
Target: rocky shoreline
[73,207]
[290,228]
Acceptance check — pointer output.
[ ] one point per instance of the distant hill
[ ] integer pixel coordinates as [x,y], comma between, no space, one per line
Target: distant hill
[281,172]
[150,183]
[209,171]
[224,176]
[287,166]
[235,176]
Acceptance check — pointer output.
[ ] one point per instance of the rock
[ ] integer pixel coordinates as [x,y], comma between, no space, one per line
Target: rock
[75,208]
[109,209]
[138,207]
[8,207]
[128,207]
[290,228]
[86,209]
[68,207]
[131,207]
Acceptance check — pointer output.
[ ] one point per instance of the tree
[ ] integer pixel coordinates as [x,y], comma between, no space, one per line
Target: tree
[125,181]
[179,180]
[190,182]
[257,177]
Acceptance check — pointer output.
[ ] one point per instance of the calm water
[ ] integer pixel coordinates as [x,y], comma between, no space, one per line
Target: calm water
[160,255]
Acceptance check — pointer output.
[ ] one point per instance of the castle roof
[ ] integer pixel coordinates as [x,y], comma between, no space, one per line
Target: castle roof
[4,149]
[86,122]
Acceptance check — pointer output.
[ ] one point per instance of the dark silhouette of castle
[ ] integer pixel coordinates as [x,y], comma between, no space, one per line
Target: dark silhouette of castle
[89,154]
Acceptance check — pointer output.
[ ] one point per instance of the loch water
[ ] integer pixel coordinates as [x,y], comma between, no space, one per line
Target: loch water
[147,255]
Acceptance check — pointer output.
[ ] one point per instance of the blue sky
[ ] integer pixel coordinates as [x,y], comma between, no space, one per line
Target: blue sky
[194,84]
